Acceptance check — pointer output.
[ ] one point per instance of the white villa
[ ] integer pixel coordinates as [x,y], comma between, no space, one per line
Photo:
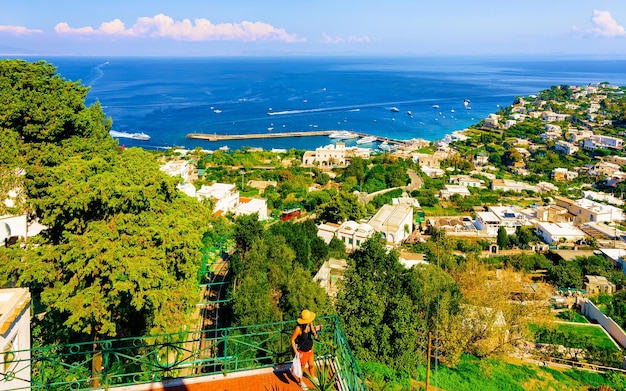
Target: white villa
[225,196]
[395,222]
[337,155]
[351,233]
[248,206]
[555,232]
[180,168]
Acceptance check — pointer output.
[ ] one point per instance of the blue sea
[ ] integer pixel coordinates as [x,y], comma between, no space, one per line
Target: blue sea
[167,98]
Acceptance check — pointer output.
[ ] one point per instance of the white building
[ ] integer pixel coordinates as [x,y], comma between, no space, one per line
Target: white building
[466,180]
[488,222]
[180,168]
[563,174]
[15,338]
[511,185]
[450,190]
[351,233]
[224,195]
[555,232]
[586,210]
[509,218]
[565,147]
[395,222]
[248,206]
[432,172]
[337,155]
[408,260]
[602,141]
[12,227]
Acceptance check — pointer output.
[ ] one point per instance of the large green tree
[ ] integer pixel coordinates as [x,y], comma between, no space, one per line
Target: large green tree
[121,248]
[388,311]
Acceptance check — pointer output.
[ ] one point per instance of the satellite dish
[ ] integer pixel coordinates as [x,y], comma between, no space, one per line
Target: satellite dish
[5,232]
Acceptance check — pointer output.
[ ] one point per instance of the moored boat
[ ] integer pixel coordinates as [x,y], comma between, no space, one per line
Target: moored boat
[343,135]
[366,140]
[384,146]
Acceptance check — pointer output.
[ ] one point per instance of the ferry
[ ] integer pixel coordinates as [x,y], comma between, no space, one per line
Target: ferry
[135,136]
[343,135]
[366,140]
[140,136]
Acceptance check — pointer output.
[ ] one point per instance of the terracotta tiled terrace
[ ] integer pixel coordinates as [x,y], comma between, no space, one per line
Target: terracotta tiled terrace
[268,379]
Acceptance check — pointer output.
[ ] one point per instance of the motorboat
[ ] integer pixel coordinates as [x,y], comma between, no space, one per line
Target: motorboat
[366,140]
[409,113]
[435,106]
[466,102]
[394,109]
[343,135]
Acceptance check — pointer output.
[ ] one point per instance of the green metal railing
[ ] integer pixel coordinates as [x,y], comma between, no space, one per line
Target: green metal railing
[128,361]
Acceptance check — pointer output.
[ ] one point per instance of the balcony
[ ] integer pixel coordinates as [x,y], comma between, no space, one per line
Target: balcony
[247,357]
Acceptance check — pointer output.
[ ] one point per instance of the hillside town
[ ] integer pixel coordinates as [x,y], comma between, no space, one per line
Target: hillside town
[541,177]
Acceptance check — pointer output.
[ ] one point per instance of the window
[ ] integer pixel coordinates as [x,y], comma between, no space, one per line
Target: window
[9,356]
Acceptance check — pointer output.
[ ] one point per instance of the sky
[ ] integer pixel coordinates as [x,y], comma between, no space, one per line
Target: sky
[316,27]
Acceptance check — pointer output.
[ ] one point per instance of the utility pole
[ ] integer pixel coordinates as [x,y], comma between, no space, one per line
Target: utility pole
[430,340]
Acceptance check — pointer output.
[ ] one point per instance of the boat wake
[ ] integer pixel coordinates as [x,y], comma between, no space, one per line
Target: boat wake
[319,110]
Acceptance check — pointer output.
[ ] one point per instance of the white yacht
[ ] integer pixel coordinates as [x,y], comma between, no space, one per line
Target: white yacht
[366,140]
[384,146]
[343,135]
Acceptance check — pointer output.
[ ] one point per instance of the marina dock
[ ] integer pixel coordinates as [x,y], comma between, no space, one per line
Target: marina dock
[224,137]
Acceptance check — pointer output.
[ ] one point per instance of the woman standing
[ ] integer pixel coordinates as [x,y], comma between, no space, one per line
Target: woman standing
[302,344]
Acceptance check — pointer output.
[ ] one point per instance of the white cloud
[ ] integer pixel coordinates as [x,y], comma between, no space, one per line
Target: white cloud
[163,26]
[19,30]
[351,39]
[605,26]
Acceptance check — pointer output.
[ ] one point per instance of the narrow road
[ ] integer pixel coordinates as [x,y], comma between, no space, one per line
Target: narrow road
[416,181]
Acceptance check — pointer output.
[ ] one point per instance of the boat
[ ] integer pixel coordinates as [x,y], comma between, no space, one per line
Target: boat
[366,140]
[384,146]
[135,136]
[435,106]
[217,111]
[394,109]
[343,135]
[409,113]
[224,148]
[466,102]
[140,136]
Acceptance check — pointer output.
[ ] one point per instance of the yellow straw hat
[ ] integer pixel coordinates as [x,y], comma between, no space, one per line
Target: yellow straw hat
[306,317]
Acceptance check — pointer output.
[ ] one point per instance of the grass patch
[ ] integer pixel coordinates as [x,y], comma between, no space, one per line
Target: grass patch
[473,374]
[574,336]
[572,316]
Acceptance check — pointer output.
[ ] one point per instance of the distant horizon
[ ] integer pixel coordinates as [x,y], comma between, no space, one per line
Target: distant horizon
[512,56]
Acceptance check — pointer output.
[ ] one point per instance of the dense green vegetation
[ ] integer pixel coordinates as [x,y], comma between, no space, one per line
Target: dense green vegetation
[123,248]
